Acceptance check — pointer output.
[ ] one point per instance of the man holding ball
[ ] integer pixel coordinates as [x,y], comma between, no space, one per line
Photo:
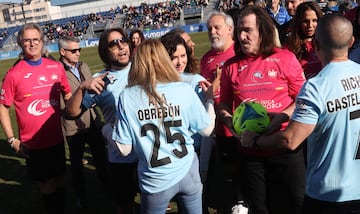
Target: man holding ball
[273,77]
[332,130]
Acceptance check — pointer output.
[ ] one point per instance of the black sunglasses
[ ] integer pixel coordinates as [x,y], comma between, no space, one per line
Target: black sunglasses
[73,50]
[116,42]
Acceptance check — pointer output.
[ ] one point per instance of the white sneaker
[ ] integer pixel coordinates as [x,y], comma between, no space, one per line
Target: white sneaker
[239,209]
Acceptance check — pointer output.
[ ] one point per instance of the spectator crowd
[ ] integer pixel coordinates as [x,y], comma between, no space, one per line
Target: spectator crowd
[155,16]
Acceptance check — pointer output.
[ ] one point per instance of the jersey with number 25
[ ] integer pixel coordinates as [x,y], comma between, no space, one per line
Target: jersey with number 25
[161,137]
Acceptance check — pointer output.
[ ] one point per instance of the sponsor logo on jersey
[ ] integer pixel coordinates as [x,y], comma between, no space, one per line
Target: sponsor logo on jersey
[271,104]
[27,75]
[271,59]
[242,68]
[42,80]
[301,104]
[273,73]
[52,66]
[39,107]
[257,75]
[36,108]
[54,77]
[210,60]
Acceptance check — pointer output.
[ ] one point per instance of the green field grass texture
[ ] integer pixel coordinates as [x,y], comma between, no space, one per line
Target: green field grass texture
[20,195]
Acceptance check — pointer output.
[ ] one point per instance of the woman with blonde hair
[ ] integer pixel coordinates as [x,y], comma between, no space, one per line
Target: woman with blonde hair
[156,118]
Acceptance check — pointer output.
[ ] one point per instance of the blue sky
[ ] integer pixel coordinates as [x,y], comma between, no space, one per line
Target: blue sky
[2,1]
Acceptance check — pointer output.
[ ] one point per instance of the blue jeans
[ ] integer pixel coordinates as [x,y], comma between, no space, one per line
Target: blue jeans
[188,191]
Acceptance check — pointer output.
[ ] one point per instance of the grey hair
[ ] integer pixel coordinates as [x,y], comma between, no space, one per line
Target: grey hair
[27,27]
[228,19]
[64,40]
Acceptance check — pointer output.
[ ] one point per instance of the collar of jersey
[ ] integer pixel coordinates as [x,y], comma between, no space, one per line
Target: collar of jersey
[37,62]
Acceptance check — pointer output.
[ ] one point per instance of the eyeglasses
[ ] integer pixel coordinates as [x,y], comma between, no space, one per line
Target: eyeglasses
[114,43]
[35,41]
[73,51]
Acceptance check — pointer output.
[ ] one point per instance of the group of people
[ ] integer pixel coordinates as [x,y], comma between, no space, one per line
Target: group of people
[167,115]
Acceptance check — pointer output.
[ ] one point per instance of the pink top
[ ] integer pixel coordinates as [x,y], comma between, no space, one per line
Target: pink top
[274,81]
[311,64]
[35,91]
[208,69]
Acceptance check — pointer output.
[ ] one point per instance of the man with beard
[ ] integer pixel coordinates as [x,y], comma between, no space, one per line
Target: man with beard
[103,90]
[331,130]
[273,180]
[220,32]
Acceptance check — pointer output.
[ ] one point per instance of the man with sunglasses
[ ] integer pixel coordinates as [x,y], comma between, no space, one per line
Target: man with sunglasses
[85,128]
[115,52]
[34,85]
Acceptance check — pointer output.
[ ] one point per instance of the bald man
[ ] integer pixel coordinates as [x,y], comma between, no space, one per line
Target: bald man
[328,114]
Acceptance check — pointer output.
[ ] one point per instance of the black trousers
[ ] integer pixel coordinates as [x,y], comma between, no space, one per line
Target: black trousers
[314,206]
[274,185]
[96,144]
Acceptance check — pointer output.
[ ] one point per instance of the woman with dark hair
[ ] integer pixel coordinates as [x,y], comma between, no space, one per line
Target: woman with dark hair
[185,64]
[173,43]
[186,37]
[301,39]
[137,37]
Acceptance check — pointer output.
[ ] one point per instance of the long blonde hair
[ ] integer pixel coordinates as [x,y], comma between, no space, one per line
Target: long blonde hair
[152,65]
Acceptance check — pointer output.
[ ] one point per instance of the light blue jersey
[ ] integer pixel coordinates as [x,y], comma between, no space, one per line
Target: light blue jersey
[162,140]
[193,80]
[108,101]
[332,101]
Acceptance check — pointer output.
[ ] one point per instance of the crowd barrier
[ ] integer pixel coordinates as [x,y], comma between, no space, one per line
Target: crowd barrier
[95,41]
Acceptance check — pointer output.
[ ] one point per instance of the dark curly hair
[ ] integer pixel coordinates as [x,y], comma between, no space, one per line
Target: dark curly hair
[171,40]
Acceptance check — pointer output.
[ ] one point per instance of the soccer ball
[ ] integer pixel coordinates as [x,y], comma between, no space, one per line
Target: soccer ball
[250,116]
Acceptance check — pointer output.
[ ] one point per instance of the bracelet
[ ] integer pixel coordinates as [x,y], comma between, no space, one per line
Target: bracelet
[11,140]
[255,145]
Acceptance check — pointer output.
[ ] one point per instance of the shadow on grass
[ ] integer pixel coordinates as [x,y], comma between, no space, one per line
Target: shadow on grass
[19,194]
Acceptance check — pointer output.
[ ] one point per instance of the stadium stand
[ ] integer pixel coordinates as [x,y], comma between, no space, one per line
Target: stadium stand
[144,16]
